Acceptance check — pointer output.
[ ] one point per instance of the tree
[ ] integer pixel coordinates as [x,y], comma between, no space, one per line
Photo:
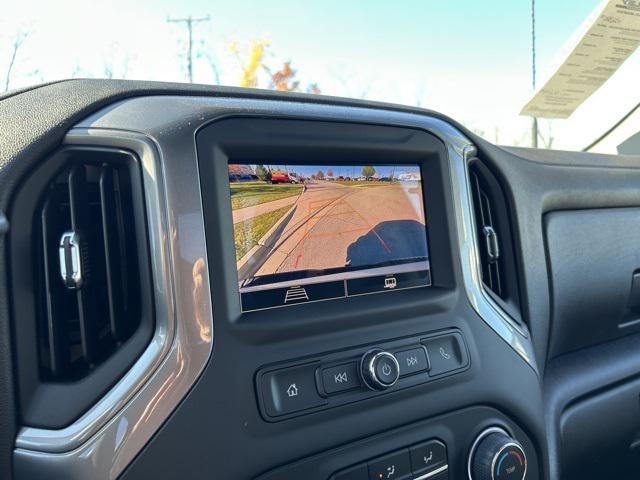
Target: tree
[249,77]
[214,67]
[18,41]
[115,63]
[330,173]
[284,79]
[368,171]
[263,173]
[314,89]
[320,175]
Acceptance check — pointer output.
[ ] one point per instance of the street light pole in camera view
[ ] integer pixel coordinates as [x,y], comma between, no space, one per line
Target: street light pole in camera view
[189,22]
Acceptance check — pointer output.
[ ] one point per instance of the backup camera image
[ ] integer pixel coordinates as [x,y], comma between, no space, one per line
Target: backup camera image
[307,233]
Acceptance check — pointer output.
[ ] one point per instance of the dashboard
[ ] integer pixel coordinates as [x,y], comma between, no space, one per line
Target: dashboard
[234,284]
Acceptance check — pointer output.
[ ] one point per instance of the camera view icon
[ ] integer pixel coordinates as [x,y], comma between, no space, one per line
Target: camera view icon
[390,283]
[296,294]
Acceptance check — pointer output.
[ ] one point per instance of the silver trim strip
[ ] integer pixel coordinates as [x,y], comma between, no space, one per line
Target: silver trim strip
[514,334]
[4,224]
[161,129]
[442,469]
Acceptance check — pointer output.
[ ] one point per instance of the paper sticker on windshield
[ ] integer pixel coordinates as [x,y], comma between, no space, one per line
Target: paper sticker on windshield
[593,54]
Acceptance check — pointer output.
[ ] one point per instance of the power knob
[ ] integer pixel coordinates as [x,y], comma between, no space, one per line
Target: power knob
[380,369]
[496,456]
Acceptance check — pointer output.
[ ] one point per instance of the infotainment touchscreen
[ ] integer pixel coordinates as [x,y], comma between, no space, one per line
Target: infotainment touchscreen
[308,233]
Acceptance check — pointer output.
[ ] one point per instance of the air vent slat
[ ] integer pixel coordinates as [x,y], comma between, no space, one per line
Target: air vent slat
[57,332]
[78,199]
[79,205]
[113,253]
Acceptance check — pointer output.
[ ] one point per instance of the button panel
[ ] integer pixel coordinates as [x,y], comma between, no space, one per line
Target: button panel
[336,379]
[424,461]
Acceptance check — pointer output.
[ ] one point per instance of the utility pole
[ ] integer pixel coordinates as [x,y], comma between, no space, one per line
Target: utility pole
[534,125]
[189,22]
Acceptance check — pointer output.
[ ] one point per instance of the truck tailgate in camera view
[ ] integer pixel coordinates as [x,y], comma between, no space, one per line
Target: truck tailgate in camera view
[339,231]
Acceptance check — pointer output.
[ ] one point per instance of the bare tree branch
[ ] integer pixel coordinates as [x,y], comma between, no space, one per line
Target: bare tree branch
[18,40]
[214,67]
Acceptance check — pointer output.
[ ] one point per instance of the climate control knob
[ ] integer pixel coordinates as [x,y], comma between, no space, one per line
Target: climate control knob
[496,456]
[380,369]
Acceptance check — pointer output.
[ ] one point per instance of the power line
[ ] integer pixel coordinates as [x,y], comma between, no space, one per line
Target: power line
[534,125]
[610,130]
[189,22]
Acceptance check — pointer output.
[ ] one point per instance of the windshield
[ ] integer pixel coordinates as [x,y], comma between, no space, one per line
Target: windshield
[468,59]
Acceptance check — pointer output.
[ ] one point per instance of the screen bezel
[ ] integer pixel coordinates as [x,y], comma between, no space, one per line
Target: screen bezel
[251,140]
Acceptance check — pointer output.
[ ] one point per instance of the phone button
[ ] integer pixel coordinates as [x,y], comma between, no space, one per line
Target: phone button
[446,353]
[395,466]
[427,457]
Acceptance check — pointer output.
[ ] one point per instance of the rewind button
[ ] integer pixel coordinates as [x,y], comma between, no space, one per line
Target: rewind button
[340,378]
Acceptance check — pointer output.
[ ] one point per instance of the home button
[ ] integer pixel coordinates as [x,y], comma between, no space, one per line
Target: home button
[290,390]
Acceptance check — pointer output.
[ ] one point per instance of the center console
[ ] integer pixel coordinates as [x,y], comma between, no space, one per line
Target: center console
[367,266]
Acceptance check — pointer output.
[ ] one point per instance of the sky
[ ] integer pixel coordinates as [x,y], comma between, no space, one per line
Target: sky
[468,59]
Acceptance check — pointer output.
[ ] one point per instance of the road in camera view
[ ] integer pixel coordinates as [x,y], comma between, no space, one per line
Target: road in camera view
[336,225]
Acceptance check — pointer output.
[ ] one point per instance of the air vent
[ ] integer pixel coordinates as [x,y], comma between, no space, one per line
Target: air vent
[82,294]
[89,279]
[493,231]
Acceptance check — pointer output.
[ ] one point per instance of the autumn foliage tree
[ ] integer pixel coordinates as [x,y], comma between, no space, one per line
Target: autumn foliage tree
[284,79]
[252,65]
[263,173]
